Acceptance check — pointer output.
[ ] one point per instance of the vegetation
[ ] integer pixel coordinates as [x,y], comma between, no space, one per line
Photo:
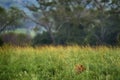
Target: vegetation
[59,63]
[18,39]
[98,21]
[10,18]
[66,22]
[78,30]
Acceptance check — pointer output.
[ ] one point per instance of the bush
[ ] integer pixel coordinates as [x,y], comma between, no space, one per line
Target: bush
[71,34]
[42,39]
[16,39]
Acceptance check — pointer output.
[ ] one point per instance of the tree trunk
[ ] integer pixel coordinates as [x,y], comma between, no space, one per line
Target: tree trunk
[51,36]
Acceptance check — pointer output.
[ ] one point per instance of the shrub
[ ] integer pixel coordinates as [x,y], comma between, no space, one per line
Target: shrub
[16,39]
[42,39]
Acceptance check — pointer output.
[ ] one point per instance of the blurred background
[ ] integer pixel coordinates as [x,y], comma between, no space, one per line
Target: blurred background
[60,22]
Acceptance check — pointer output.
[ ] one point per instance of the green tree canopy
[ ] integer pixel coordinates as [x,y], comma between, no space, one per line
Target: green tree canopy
[97,16]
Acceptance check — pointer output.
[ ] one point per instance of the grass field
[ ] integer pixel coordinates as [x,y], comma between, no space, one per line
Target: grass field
[59,63]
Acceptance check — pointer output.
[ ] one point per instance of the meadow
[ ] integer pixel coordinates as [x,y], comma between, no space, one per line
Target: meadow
[59,63]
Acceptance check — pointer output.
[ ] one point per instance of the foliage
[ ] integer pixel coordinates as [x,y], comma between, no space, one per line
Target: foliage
[42,39]
[70,34]
[16,39]
[10,19]
[100,19]
[59,63]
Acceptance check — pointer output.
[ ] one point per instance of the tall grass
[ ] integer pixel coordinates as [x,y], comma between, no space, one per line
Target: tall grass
[58,63]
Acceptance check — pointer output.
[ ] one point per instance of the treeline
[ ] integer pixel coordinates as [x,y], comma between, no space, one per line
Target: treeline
[66,22]
[68,35]
[82,22]
[71,34]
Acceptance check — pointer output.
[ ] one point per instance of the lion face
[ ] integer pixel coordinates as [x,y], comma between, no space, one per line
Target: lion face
[79,68]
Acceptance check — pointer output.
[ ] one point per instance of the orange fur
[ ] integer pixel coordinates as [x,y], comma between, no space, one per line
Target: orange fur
[79,68]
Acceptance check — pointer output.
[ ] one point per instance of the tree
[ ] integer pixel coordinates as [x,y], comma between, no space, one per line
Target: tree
[94,15]
[54,14]
[42,39]
[10,18]
[107,27]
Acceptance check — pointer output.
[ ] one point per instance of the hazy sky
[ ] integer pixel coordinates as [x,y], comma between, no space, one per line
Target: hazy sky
[18,3]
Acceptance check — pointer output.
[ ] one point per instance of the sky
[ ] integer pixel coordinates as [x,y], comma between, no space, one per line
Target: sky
[8,3]
[19,3]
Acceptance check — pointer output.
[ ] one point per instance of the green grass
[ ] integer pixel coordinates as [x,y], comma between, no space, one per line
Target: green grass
[57,63]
